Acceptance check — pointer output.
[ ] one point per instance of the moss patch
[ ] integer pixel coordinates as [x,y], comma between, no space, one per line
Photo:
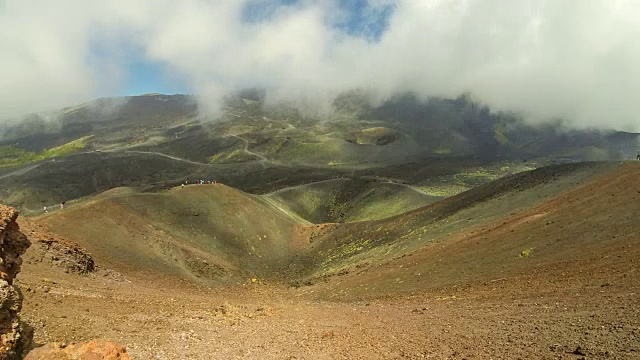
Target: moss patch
[13,156]
[499,134]
[526,252]
[442,151]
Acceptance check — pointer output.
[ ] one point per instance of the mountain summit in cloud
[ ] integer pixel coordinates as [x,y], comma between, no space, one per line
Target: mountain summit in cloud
[546,59]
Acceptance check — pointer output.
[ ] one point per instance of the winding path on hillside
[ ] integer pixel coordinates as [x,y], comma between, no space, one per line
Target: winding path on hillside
[379,180]
[276,192]
[288,213]
[263,160]
[159,154]
[21,171]
[27,169]
[387,181]
[414,188]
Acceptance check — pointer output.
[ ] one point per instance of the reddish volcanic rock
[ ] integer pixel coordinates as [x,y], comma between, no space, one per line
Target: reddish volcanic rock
[56,250]
[14,337]
[92,350]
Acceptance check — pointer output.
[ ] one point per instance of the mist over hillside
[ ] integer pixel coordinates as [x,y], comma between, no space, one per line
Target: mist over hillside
[441,145]
[435,126]
[544,59]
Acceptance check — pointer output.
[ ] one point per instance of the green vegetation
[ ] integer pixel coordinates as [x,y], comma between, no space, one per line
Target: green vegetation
[350,201]
[470,179]
[316,150]
[376,131]
[374,136]
[333,163]
[227,156]
[526,252]
[239,129]
[443,189]
[312,200]
[72,109]
[13,156]
[499,134]
[66,149]
[442,151]
[385,207]
[350,247]
[450,185]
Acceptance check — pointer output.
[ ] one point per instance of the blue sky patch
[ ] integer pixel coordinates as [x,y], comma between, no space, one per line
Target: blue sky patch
[364,20]
[257,11]
[356,17]
[146,77]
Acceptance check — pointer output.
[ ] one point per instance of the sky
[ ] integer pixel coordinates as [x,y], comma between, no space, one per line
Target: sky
[572,59]
[147,77]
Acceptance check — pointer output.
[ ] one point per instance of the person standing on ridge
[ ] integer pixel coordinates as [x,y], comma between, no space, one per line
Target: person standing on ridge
[638,156]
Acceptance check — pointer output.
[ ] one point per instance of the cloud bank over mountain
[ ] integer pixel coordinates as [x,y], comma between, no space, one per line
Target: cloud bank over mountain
[546,58]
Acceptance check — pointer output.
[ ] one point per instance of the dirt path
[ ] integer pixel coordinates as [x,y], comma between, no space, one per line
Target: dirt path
[387,181]
[21,171]
[383,181]
[302,185]
[158,154]
[414,188]
[26,169]
[263,160]
[290,214]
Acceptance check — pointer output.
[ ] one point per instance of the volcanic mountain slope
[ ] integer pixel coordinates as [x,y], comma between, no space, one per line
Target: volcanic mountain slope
[220,234]
[211,233]
[208,233]
[109,120]
[542,264]
[31,187]
[534,222]
[46,183]
[349,200]
[158,140]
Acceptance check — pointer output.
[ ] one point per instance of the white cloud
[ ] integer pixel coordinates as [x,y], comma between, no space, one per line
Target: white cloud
[547,58]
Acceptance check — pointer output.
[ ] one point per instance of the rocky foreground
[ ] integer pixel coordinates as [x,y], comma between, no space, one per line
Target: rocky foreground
[16,336]
[95,349]
[549,269]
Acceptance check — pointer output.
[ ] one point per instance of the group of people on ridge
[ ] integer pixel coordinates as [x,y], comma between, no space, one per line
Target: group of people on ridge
[62,204]
[200,182]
